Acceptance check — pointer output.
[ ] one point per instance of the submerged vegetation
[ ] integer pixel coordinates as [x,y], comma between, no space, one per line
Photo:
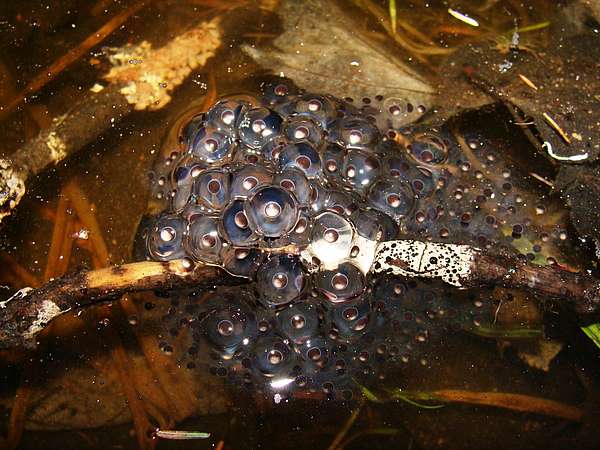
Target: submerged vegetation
[77,152]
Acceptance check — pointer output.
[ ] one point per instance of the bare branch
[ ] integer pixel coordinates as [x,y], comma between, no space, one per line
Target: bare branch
[25,314]
[465,266]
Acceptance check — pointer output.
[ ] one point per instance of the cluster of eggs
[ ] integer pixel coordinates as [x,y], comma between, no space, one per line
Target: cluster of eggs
[293,190]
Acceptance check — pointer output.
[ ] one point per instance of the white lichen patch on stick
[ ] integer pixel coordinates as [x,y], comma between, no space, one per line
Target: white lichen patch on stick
[57,147]
[449,262]
[150,75]
[12,187]
[47,311]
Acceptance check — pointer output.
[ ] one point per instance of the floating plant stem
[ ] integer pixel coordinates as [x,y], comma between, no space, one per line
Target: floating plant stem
[181,435]
[499,332]
[344,430]
[393,15]
[514,402]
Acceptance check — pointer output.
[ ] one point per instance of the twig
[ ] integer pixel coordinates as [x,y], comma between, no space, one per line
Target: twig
[465,266]
[27,312]
[129,87]
[50,72]
[344,430]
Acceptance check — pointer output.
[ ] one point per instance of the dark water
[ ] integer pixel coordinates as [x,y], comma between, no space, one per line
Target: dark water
[98,369]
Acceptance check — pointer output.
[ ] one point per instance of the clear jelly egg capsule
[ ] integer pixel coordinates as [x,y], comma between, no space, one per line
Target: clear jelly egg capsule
[272,356]
[271,150]
[359,169]
[428,148]
[229,326]
[333,157]
[355,132]
[392,197]
[300,234]
[280,280]
[342,203]
[235,225]
[331,239]
[272,211]
[249,178]
[182,180]
[202,241]
[375,225]
[299,321]
[258,126]
[211,145]
[302,156]
[279,94]
[299,129]
[226,113]
[242,262]
[318,108]
[165,240]
[315,352]
[211,188]
[350,319]
[340,284]
[295,182]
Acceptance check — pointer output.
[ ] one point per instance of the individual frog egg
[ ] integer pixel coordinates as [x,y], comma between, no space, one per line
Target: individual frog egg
[211,145]
[333,157]
[229,325]
[248,179]
[302,156]
[350,319]
[392,197]
[318,196]
[242,262]
[258,126]
[299,321]
[280,280]
[359,170]
[342,203]
[375,225]
[300,129]
[165,239]
[182,179]
[428,148]
[235,226]
[271,211]
[341,284]
[271,150]
[396,166]
[300,234]
[331,239]
[318,108]
[272,357]
[191,126]
[355,132]
[226,113]
[316,352]
[202,241]
[278,91]
[295,182]
[211,189]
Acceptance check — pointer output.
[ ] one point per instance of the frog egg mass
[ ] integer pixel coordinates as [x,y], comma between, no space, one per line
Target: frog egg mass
[294,191]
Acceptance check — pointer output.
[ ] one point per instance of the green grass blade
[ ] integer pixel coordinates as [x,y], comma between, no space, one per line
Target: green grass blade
[593,332]
[393,15]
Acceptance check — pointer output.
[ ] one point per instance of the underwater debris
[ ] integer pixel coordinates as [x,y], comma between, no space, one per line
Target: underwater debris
[145,85]
[150,75]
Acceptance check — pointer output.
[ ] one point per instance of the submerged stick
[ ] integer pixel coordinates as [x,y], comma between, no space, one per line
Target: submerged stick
[145,85]
[26,314]
[465,267]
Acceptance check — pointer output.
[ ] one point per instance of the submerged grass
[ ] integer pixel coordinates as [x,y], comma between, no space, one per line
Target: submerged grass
[593,332]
